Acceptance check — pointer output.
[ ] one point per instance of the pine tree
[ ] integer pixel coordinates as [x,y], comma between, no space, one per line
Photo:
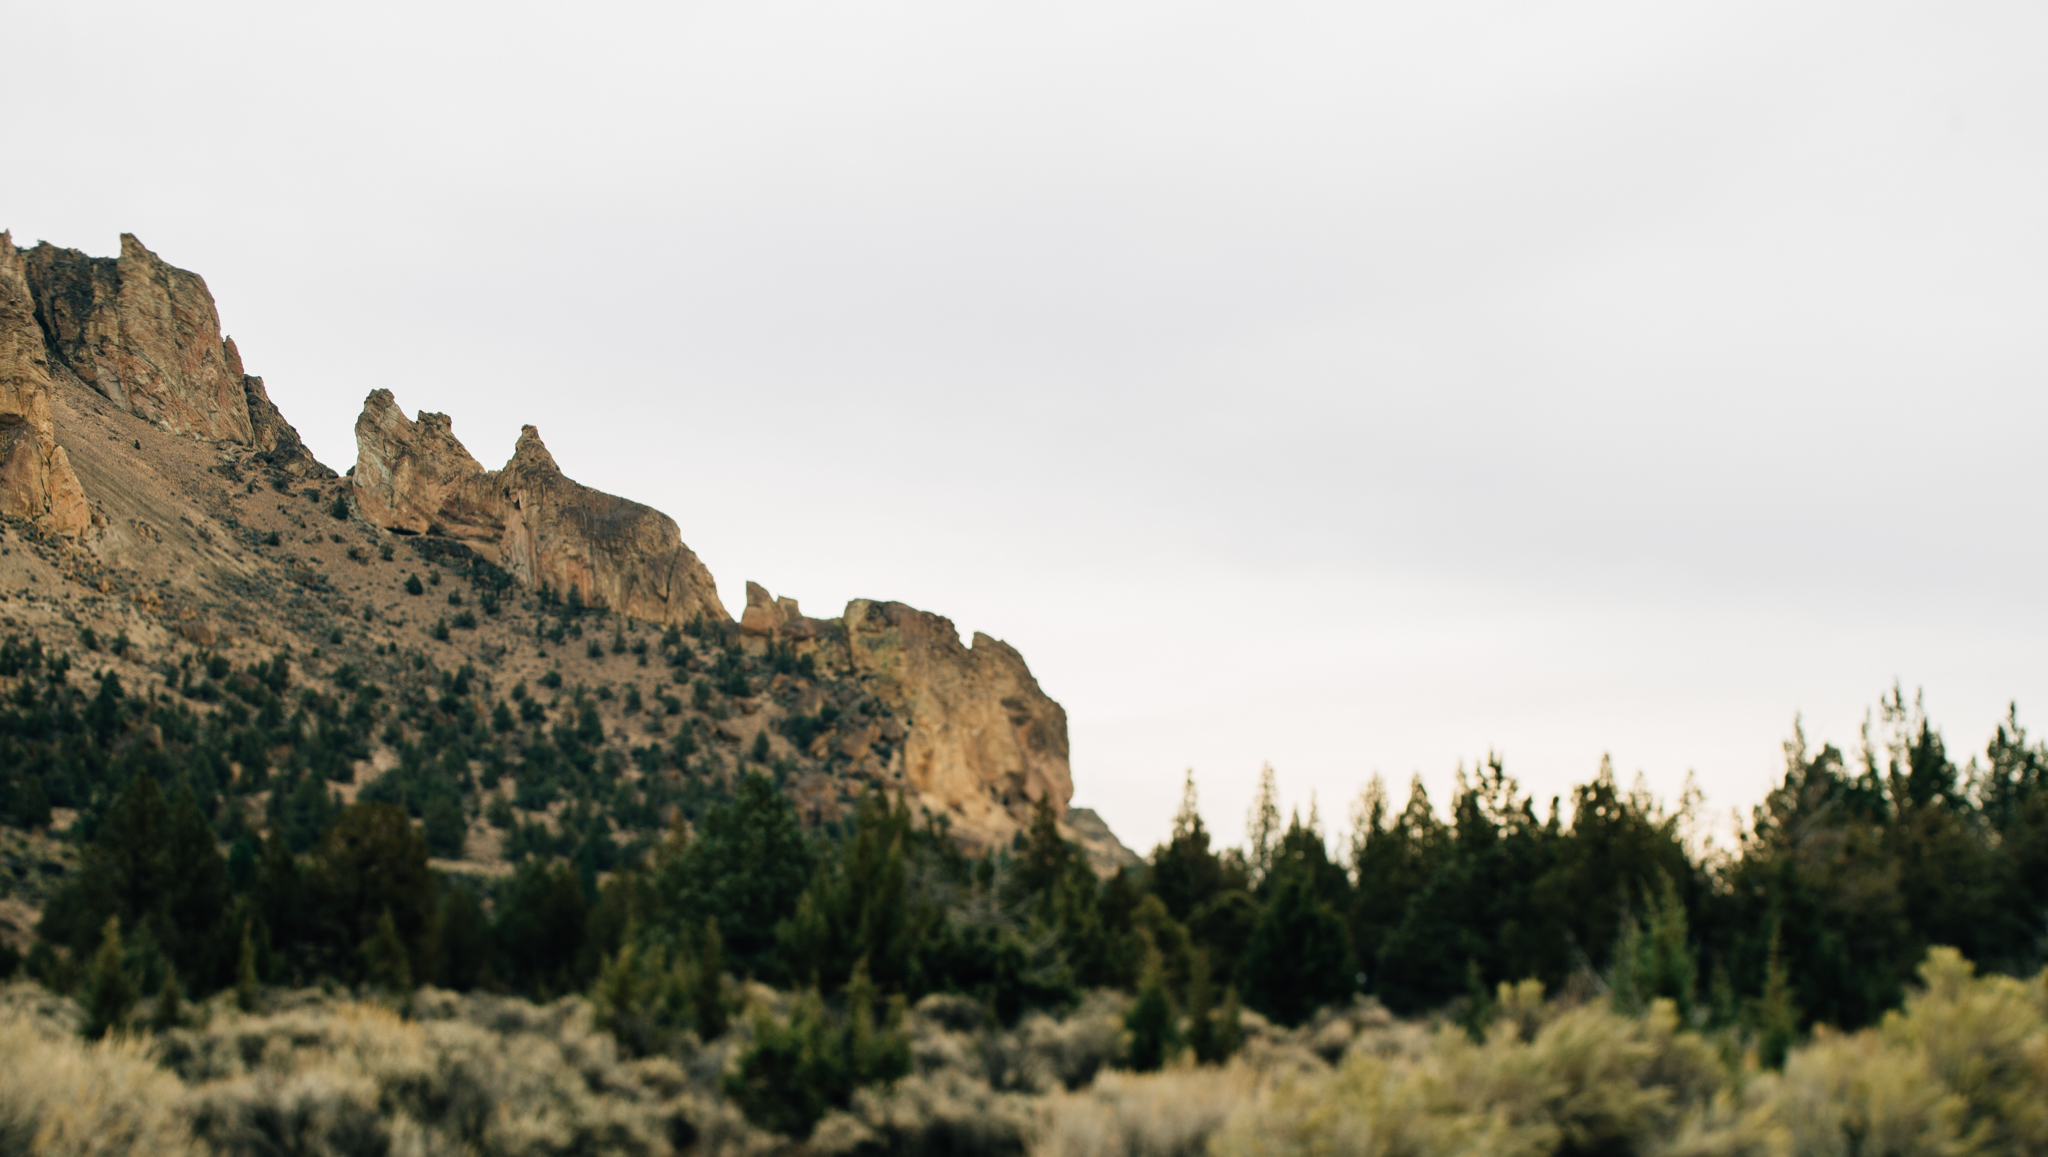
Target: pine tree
[1262,827]
[1654,959]
[707,984]
[385,966]
[109,989]
[1185,873]
[170,1003]
[463,940]
[1299,956]
[1201,998]
[1151,1025]
[1773,1016]
[245,973]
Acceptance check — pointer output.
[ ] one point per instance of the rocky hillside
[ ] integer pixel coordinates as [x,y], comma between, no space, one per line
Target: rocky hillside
[162,519]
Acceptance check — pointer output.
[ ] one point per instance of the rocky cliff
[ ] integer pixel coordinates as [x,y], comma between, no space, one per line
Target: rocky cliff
[151,492]
[415,477]
[36,480]
[985,743]
[145,335]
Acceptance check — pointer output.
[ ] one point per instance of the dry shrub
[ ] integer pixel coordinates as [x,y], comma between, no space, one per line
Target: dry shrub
[482,1075]
[1041,1054]
[59,1096]
[943,1114]
[1987,1039]
[1845,1096]
[1172,1113]
[1545,1080]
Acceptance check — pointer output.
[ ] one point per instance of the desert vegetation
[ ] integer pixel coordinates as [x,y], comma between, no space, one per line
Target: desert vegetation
[256,948]
[1958,1069]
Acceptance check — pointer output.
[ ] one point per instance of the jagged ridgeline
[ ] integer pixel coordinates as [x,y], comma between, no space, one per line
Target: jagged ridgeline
[533,654]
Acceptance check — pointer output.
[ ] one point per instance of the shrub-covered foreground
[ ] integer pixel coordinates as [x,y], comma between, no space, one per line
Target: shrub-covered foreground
[1961,1068]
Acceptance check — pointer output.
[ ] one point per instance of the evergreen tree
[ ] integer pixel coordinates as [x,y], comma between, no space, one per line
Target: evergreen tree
[748,868]
[156,868]
[245,972]
[798,1068]
[1299,957]
[385,963]
[462,942]
[370,864]
[1393,859]
[1262,827]
[540,927]
[1476,909]
[1654,959]
[1185,873]
[1151,1025]
[170,1003]
[109,987]
[858,907]
[706,990]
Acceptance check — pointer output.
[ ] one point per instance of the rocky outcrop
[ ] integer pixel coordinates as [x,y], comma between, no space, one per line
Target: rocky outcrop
[415,477]
[1106,853]
[144,334]
[985,743]
[276,443]
[622,555]
[767,617]
[36,479]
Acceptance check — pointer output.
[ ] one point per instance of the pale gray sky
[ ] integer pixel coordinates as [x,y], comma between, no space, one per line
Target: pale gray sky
[1353,387]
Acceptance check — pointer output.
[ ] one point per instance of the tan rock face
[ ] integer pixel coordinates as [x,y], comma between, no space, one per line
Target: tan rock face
[144,334]
[628,556]
[985,743]
[36,479]
[768,617]
[410,475]
[415,477]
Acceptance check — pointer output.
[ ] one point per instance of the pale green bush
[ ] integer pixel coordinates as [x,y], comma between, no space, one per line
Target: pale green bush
[481,1075]
[1172,1113]
[1987,1039]
[61,1097]
[943,1114]
[1858,1096]
[1544,1080]
[1961,1069]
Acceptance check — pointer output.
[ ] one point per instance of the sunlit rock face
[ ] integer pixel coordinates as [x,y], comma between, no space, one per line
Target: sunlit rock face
[415,477]
[144,334]
[36,479]
[984,743]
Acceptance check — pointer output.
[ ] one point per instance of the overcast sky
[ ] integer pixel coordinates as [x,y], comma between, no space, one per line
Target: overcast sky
[1356,387]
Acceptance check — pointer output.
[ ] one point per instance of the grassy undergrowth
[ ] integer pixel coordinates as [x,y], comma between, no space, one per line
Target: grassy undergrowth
[1962,1068]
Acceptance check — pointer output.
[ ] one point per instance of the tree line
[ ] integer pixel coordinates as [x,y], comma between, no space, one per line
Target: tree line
[1841,879]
